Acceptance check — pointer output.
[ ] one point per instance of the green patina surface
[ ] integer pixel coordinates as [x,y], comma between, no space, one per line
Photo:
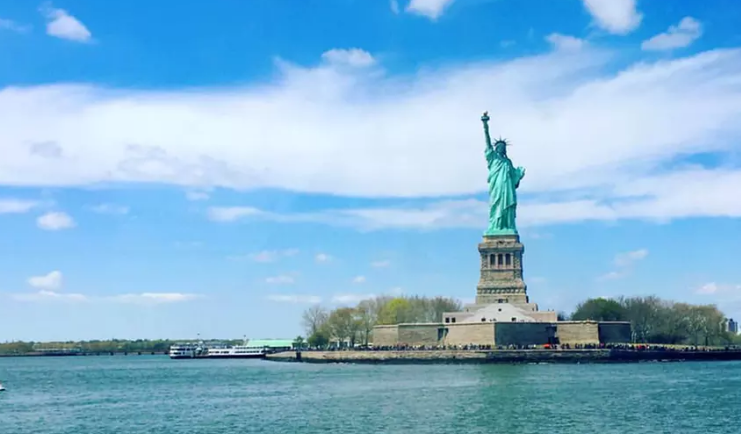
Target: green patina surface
[503,179]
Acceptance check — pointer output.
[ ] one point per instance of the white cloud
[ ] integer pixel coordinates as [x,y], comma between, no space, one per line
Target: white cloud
[196,195]
[268,255]
[431,9]
[45,149]
[148,298]
[353,57]
[690,192]
[565,42]
[280,280]
[397,291]
[708,288]
[322,258]
[6,24]
[54,221]
[615,16]
[629,258]
[264,256]
[722,289]
[350,299]
[60,24]
[597,145]
[679,36]
[229,214]
[298,299]
[380,264]
[109,208]
[145,298]
[45,295]
[394,4]
[16,206]
[359,279]
[53,280]
[624,262]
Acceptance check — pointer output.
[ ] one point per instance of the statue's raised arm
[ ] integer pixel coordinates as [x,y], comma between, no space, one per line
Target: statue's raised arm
[485,120]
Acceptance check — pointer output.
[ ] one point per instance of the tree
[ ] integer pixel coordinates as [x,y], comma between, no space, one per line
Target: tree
[314,318]
[599,309]
[735,339]
[344,325]
[299,342]
[706,325]
[653,320]
[367,316]
[16,347]
[439,305]
[674,324]
[645,315]
[319,339]
[396,311]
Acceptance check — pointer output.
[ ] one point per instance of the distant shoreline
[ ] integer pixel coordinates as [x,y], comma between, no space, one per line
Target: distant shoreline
[503,356]
[88,354]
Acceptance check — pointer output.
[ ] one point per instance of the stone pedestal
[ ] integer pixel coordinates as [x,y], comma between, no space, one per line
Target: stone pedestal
[501,271]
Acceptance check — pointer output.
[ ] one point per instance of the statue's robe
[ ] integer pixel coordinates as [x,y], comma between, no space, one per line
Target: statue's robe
[503,181]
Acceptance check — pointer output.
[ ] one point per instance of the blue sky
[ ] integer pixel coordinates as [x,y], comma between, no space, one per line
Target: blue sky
[217,167]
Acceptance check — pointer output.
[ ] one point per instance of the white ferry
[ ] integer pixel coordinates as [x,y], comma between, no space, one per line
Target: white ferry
[186,351]
[237,352]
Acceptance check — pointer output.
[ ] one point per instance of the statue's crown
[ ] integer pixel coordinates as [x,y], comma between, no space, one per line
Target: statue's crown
[502,142]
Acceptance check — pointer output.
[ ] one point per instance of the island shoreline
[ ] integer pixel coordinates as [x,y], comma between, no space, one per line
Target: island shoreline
[503,356]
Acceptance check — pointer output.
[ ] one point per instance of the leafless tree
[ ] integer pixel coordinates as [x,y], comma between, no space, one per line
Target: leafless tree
[314,318]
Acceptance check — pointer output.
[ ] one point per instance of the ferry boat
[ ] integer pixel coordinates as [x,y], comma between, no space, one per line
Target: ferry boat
[185,351]
[237,352]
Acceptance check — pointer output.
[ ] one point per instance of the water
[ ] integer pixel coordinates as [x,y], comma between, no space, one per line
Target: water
[102,395]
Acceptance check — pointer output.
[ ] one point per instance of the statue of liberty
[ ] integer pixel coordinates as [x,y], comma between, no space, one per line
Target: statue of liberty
[503,180]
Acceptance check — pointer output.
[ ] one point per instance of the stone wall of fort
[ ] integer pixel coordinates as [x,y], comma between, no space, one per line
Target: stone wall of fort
[578,332]
[615,332]
[503,333]
[420,334]
[385,335]
[469,333]
[523,333]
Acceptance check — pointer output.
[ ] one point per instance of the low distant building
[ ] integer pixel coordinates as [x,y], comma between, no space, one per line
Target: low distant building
[272,344]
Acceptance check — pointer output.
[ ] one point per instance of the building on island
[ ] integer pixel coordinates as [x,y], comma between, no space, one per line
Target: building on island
[502,314]
[272,344]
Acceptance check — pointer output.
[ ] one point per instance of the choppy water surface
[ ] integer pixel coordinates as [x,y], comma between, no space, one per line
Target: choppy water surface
[139,394]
